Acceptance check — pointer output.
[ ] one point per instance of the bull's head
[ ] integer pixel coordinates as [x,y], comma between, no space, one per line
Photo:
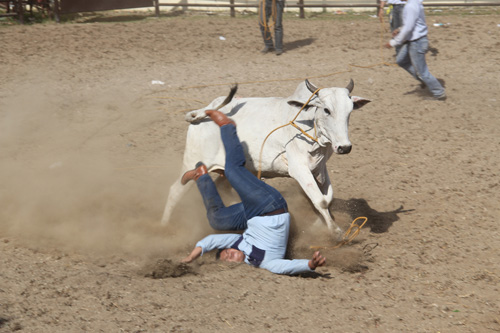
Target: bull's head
[333,107]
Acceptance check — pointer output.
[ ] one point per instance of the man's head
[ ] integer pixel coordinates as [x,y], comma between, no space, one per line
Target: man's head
[231,255]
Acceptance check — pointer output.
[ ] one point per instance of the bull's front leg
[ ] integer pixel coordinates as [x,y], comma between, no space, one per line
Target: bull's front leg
[324,183]
[319,199]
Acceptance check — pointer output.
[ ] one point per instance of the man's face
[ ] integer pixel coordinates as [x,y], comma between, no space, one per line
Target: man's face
[232,255]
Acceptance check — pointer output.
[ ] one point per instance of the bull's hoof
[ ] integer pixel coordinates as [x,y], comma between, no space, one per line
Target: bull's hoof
[337,234]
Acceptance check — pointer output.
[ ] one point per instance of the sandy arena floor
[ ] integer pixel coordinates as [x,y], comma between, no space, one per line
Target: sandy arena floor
[89,148]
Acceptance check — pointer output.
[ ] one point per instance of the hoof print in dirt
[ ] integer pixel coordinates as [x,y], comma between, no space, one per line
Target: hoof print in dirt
[165,268]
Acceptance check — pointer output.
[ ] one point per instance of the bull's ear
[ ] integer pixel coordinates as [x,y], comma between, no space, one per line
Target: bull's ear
[359,102]
[302,95]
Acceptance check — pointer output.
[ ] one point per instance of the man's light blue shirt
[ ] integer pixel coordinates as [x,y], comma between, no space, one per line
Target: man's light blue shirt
[414,26]
[396,2]
[268,233]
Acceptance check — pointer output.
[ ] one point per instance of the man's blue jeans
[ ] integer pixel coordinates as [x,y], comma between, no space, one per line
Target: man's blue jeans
[257,197]
[411,56]
[265,11]
[396,17]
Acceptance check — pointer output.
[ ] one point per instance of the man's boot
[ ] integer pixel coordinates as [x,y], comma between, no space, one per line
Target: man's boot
[266,49]
[200,170]
[219,118]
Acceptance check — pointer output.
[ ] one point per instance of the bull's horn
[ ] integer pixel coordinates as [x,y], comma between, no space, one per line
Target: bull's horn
[229,97]
[312,88]
[350,86]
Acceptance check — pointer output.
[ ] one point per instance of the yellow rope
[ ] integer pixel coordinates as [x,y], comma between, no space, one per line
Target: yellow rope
[142,167]
[181,99]
[292,122]
[349,68]
[262,16]
[348,236]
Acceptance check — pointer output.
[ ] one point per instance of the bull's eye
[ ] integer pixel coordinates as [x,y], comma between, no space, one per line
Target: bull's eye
[326,111]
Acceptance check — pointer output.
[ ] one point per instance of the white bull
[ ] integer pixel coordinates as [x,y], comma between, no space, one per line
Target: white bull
[287,151]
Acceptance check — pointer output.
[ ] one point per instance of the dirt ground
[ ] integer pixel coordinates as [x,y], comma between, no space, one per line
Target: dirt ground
[90,146]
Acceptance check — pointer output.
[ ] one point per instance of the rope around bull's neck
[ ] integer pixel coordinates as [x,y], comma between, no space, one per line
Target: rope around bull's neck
[349,235]
[292,122]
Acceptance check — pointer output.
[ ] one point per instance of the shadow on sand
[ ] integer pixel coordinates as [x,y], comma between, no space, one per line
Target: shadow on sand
[378,222]
[298,44]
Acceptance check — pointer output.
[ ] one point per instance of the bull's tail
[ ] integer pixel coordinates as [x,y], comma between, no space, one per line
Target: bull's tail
[229,97]
[197,115]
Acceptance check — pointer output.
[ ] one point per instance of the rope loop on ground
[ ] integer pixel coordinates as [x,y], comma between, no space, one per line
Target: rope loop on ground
[349,235]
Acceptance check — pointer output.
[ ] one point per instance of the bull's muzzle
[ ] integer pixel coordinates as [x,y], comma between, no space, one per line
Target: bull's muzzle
[344,149]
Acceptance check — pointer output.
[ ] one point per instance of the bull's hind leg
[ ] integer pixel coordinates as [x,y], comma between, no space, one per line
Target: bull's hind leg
[177,191]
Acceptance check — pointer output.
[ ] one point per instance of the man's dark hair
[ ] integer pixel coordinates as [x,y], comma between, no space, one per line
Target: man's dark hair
[217,255]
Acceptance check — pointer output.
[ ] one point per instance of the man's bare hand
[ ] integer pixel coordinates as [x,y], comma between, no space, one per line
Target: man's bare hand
[186,260]
[192,256]
[388,45]
[317,260]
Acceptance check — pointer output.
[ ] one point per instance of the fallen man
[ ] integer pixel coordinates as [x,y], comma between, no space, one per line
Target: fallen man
[262,213]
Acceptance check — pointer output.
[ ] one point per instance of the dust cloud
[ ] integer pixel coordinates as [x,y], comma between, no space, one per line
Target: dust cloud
[90,174]
[65,182]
